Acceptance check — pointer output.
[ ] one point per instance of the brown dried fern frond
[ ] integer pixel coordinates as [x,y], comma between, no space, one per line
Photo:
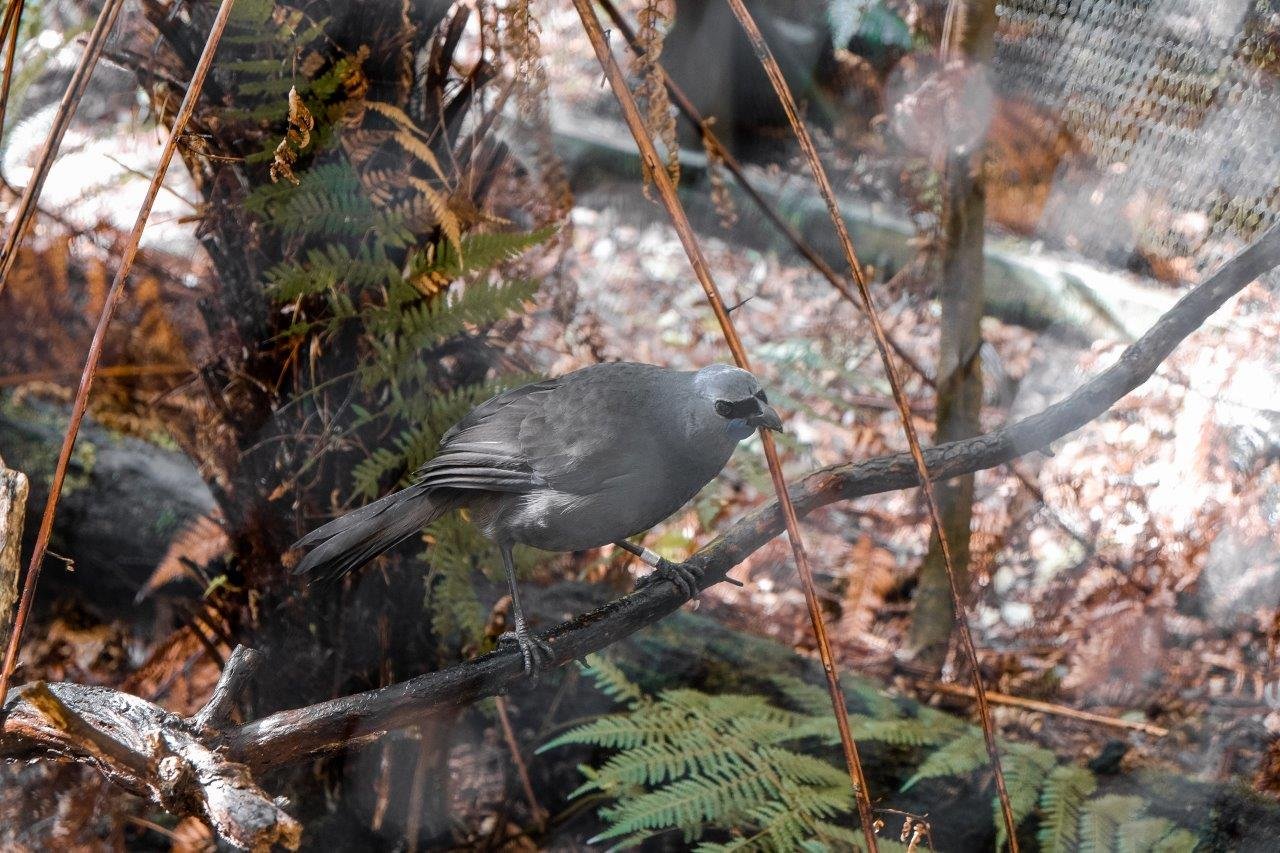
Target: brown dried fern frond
[524,45]
[659,118]
[721,195]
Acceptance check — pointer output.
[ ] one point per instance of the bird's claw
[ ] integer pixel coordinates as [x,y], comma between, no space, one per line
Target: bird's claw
[686,577]
[537,654]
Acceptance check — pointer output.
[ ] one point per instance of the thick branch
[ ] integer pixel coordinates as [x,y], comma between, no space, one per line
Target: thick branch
[289,735]
[149,752]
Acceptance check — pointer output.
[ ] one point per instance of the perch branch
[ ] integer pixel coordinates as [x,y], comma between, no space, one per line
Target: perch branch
[293,735]
[149,752]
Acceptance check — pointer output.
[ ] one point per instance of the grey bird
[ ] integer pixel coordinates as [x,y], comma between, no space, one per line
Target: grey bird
[585,460]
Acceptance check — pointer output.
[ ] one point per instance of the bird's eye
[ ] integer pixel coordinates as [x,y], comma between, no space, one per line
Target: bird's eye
[738,409]
[762,397]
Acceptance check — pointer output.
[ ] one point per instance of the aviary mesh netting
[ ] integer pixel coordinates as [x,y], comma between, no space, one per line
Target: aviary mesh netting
[1178,106]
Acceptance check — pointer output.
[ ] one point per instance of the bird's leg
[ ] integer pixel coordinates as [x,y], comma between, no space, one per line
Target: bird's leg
[537,653]
[686,577]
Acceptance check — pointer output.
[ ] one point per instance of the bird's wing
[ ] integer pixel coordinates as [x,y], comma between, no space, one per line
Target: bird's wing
[590,434]
[584,433]
[482,450]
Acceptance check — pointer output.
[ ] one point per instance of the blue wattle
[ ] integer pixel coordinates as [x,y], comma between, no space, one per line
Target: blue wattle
[738,429]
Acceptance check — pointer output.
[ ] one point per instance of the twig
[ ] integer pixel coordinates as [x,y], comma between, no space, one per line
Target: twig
[115,372]
[62,119]
[417,790]
[695,117]
[1045,708]
[522,769]
[670,199]
[104,320]
[235,677]
[9,35]
[882,343]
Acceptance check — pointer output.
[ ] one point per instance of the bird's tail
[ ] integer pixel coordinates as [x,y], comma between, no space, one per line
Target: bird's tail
[354,539]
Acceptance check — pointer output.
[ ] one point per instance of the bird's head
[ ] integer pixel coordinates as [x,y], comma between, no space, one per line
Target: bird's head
[737,400]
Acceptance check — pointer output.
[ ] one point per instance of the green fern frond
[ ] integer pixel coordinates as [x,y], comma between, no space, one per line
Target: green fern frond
[1101,819]
[451,600]
[610,680]
[1141,835]
[688,804]
[480,251]
[1026,770]
[326,268]
[1061,799]
[962,755]
[1178,841]
[908,731]
[804,696]
[614,731]
[408,331]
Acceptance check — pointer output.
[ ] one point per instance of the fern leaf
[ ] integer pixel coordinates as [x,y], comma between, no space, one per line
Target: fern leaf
[611,680]
[962,755]
[1178,841]
[1101,819]
[482,251]
[1141,835]
[687,803]
[1063,795]
[1025,772]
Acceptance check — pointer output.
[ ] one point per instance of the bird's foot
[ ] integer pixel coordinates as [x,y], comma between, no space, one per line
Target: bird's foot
[537,653]
[686,577]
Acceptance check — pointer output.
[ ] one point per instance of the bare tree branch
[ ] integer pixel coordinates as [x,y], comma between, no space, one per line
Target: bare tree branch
[152,753]
[193,770]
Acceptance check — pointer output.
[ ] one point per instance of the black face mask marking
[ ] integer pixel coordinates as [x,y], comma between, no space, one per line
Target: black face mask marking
[762,397]
[739,409]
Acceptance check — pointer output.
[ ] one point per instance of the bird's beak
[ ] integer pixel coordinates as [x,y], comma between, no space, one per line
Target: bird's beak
[767,418]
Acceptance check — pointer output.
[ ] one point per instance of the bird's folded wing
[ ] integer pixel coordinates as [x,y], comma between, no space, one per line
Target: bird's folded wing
[482,451]
[590,435]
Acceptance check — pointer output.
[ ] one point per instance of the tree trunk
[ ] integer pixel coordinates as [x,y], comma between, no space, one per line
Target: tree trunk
[959,367]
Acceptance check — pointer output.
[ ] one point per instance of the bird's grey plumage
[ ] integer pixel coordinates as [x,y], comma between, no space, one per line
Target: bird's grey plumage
[572,463]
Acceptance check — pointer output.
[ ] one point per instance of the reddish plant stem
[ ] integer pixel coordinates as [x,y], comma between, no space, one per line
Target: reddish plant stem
[62,119]
[824,186]
[522,769]
[9,35]
[680,221]
[104,320]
